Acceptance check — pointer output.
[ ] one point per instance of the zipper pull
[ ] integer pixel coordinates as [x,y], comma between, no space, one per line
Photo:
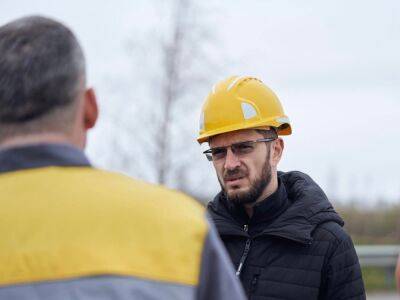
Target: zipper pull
[246,228]
[239,269]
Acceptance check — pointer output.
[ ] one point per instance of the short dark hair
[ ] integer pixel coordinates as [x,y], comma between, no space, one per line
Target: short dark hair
[42,68]
[268,133]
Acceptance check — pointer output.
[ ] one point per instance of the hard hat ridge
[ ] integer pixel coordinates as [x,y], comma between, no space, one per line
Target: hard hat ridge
[241,103]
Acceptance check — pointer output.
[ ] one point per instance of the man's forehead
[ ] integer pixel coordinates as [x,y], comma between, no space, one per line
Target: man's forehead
[225,139]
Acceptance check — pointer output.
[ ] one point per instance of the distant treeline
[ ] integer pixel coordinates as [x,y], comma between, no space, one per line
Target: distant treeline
[379,224]
[373,225]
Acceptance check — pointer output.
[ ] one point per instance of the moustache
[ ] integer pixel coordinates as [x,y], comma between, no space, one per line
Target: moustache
[234,174]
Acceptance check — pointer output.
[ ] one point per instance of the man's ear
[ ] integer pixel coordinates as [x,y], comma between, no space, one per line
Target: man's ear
[277,147]
[91,110]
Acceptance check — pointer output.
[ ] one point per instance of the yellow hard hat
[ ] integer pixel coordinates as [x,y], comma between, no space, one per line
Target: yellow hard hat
[241,103]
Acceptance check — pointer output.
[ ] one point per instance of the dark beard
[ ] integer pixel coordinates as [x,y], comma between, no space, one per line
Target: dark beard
[257,187]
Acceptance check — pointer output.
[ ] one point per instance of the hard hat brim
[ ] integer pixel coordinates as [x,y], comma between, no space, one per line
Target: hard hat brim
[282,129]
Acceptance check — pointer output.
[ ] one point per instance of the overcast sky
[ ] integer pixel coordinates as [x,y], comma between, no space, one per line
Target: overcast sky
[335,65]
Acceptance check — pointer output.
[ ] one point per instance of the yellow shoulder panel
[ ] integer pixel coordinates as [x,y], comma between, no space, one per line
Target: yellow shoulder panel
[58,223]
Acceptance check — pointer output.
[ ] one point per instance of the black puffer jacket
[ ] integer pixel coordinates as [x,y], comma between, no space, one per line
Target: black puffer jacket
[293,247]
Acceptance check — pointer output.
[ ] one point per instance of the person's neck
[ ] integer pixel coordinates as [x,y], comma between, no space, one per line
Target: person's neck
[39,138]
[268,191]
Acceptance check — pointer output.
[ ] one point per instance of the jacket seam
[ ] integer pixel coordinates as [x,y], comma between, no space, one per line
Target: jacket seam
[300,254]
[344,268]
[286,268]
[347,282]
[296,284]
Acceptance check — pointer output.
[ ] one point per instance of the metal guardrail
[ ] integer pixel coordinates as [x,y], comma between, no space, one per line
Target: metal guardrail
[378,256]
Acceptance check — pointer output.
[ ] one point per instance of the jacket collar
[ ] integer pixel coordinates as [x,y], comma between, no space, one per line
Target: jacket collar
[308,207]
[41,155]
[264,212]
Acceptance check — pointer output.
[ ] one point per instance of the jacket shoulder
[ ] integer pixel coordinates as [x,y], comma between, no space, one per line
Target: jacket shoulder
[340,246]
[330,231]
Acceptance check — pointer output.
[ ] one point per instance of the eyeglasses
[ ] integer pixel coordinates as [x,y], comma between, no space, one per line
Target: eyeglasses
[239,149]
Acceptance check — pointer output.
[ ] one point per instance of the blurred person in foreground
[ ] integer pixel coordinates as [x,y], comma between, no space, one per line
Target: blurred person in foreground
[283,235]
[69,230]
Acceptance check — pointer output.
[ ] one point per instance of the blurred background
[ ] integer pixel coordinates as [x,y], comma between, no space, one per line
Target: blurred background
[335,65]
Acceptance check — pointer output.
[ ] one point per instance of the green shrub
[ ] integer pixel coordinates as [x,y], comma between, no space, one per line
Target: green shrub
[376,278]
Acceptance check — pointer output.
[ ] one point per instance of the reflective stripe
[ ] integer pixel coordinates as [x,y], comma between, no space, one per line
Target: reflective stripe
[98,288]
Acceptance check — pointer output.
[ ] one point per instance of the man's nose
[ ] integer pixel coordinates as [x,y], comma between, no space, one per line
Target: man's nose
[231,160]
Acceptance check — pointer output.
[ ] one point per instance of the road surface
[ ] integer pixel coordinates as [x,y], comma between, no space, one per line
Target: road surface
[383,296]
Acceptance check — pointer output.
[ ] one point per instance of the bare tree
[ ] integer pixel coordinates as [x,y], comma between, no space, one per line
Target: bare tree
[170,67]
[172,77]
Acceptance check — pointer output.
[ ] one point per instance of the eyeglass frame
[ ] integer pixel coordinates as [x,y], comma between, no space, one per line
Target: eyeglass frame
[208,152]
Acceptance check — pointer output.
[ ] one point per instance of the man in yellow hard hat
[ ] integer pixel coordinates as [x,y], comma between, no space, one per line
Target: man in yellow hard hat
[67,229]
[282,234]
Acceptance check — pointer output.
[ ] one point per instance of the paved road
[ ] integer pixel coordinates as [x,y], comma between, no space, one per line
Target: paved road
[391,296]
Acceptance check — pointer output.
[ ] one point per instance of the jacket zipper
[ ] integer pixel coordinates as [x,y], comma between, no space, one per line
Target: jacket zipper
[245,252]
